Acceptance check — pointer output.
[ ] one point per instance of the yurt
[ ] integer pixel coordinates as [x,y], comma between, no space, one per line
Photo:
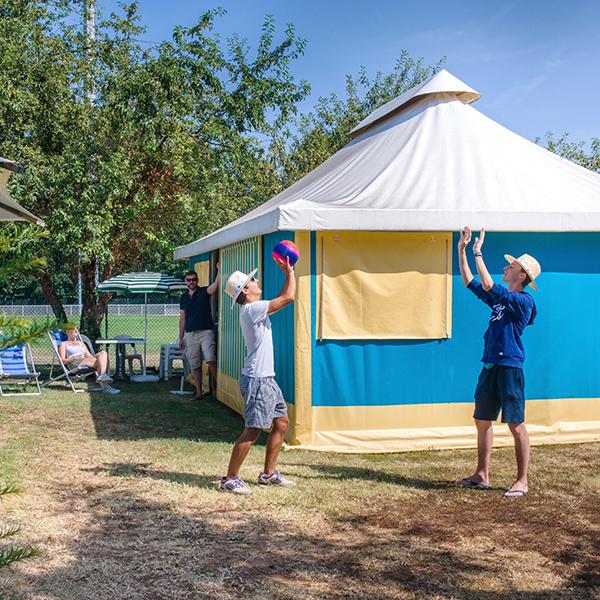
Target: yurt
[381,350]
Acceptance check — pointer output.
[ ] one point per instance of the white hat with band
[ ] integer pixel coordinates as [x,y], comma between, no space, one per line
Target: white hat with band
[237,282]
[529,264]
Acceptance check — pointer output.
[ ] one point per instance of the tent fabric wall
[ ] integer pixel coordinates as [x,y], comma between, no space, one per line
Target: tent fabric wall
[407,394]
[384,285]
[200,264]
[241,256]
[283,320]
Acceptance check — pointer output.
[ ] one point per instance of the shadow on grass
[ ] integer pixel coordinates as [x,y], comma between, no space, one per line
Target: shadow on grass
[145,411]
[144,470]
[328,471]
[138,549]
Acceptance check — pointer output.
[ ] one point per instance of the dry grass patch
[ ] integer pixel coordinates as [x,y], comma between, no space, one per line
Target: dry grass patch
[119,497]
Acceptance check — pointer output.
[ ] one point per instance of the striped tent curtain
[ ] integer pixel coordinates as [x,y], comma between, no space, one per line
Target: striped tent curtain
[241,256]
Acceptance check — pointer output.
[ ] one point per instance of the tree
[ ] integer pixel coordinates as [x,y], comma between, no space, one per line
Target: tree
[162,153]
[588,157]
[17,259]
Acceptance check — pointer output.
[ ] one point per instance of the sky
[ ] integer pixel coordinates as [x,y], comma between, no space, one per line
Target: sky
[536,63]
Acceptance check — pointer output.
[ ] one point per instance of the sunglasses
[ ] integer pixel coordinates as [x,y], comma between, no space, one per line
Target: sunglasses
[191,279]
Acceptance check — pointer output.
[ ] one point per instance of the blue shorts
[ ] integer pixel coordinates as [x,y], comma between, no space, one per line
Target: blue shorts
[498,388]
[263,401]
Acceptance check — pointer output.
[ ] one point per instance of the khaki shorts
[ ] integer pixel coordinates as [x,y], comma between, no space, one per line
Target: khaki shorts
[198,343]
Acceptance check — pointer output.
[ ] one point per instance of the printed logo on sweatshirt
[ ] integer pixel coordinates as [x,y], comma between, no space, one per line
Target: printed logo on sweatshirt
[497,312]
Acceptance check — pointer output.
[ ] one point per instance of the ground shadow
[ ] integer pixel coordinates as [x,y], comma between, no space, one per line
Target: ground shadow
[329,471]
[138,549]
[125,469]
[144,411]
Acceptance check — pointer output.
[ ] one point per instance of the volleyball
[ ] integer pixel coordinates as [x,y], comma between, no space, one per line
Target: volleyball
[286,249]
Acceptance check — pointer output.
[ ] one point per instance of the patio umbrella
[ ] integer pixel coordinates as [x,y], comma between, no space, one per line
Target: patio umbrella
[145,283]
[9,209]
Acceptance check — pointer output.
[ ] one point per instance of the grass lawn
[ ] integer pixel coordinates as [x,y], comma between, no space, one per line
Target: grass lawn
[118,495]
[161,329]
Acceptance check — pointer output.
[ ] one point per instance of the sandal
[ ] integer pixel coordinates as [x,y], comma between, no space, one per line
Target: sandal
[467,482]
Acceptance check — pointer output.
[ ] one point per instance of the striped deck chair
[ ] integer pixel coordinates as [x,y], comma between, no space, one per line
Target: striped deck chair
[17,371]
[70,376]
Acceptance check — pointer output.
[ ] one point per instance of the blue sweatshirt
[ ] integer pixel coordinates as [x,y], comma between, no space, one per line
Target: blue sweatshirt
[511,313]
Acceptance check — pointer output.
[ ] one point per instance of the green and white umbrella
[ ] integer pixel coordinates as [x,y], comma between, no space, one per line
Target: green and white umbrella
[145,283]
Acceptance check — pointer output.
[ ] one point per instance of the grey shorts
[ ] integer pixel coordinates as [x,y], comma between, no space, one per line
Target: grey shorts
[263,401]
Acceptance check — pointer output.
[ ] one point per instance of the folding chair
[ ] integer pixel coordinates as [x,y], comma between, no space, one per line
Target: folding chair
[73,375]
[18,369]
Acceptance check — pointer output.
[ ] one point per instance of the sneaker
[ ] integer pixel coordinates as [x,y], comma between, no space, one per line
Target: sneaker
[233,485]
[274,479]
[111,390]
[104,378]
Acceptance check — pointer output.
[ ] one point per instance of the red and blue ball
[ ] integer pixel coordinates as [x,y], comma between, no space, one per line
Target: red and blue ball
[286,249]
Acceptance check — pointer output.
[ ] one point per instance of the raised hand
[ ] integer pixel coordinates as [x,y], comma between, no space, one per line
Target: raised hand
[465,238]
[285,266]
[478,243]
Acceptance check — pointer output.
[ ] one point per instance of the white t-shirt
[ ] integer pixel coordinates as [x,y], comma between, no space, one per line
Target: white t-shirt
[256,327]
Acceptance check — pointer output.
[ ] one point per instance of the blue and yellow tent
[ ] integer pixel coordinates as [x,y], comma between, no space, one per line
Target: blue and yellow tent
[381,350]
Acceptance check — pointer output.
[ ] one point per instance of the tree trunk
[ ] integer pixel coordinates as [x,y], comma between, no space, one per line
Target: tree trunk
[51,296]
[92,311]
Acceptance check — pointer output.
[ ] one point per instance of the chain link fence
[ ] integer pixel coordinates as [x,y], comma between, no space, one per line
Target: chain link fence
[122,318]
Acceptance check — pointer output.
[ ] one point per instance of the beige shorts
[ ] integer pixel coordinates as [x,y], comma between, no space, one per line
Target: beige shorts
[198,343]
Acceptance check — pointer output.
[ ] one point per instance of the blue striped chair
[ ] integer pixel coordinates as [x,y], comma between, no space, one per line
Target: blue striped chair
[17,371]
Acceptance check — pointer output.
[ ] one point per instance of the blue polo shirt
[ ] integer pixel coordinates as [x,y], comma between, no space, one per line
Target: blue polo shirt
[198,316]
[511,313]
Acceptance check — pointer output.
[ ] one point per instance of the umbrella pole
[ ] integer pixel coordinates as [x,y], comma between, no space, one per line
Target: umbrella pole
[145,330]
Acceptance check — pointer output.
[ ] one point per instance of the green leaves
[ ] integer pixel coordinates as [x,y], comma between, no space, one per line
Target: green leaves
[169,149]
[12,554]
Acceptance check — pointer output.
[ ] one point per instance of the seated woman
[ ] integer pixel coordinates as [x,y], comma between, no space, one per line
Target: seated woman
[73,352]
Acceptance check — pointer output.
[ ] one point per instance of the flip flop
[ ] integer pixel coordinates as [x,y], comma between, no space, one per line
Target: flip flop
[511,494]
[467,482]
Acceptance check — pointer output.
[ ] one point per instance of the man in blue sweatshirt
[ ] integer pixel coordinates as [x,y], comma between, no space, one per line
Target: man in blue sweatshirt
[501,383]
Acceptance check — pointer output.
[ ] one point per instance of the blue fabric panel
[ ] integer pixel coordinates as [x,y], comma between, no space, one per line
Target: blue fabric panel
[561,348]
[282,321]
[13,360]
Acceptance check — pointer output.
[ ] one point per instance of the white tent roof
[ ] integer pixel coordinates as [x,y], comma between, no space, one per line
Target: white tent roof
[428,161]
[9,209]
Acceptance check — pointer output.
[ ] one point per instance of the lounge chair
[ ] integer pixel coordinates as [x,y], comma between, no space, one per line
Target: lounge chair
[75,374]
[17,370]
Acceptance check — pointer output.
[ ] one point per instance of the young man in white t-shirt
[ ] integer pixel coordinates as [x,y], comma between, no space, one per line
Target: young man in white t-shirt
[264,403]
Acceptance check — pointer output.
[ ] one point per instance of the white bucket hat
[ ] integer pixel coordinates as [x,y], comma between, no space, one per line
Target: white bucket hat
[237,282]
[531,266]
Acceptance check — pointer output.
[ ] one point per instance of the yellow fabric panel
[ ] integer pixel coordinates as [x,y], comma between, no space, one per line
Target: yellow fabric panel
[303,413]
[228,392]
[459,414]
[384,285]
[446,438]
[203,271]
[422,426]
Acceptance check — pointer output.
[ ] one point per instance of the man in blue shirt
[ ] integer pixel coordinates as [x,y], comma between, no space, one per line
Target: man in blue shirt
[501,385]
[196,327]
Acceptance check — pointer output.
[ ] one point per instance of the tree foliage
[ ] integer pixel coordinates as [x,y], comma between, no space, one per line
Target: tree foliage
[10,554]
[581,153]
[132,149]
